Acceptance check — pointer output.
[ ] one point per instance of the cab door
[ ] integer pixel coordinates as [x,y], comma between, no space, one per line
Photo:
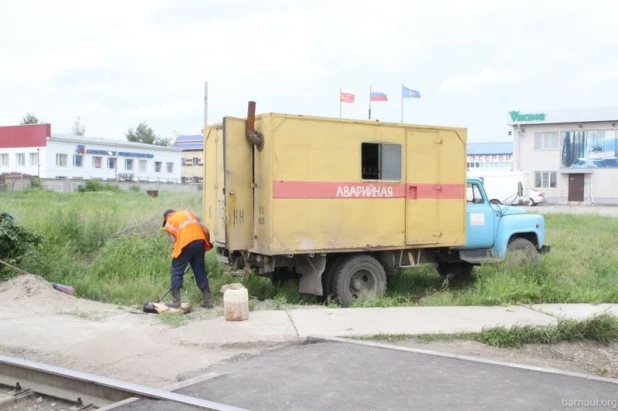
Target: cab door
[480,219]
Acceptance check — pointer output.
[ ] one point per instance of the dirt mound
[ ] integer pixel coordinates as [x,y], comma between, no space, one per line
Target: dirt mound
[34,291]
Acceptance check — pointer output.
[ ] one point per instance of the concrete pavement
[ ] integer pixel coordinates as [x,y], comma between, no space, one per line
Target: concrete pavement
[347,322]
[343,376]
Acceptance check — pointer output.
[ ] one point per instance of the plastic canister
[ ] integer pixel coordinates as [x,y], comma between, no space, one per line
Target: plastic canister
[235,302]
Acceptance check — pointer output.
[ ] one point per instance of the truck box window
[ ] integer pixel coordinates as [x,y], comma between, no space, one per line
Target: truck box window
[381,161]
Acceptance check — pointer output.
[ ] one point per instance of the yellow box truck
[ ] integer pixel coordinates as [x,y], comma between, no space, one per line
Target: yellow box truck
[343,203]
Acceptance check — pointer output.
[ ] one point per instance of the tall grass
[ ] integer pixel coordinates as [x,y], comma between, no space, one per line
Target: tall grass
[79,250]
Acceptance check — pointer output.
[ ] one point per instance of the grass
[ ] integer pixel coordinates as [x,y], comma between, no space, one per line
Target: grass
[601,328]
[79,249]
[581,267]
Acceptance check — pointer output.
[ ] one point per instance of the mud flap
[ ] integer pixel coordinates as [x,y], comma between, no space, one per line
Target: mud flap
[311,269]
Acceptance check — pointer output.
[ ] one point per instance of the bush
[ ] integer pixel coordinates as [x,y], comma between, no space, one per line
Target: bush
[36,183]
[135,188]
[96,185]
[15,241]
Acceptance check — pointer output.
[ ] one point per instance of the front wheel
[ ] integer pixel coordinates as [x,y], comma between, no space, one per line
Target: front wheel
[521,250]
[357,277]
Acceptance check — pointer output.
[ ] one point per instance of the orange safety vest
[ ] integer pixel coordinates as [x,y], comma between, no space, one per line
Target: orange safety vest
[186,228]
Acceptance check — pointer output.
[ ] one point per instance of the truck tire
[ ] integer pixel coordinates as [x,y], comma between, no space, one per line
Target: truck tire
[495,201]
[523,246]
[461,270]
[357,275]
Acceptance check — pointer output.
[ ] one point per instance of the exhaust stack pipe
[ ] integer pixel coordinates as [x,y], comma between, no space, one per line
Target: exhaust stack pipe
[253,137]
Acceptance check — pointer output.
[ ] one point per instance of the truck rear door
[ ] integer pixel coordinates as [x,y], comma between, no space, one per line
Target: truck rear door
[238,185]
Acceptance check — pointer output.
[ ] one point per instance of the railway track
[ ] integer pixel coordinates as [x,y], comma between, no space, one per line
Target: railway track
[85,391]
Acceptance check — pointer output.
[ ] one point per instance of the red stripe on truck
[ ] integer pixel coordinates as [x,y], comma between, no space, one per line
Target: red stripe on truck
[421,191]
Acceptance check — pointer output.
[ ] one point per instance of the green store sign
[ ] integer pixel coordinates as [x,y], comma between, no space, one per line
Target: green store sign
[517,116]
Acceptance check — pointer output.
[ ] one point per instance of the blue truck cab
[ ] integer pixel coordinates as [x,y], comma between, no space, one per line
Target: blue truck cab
[493,230]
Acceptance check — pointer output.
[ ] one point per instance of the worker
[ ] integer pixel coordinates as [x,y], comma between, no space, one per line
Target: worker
[191,241]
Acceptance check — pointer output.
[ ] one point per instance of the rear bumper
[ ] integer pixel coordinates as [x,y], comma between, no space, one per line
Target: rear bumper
[545,249]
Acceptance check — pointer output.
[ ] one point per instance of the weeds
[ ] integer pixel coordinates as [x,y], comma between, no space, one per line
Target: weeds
[77,249]
[601,328]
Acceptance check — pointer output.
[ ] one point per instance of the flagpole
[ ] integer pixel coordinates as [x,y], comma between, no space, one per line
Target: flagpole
[401,103]
[369,102]
[340,102]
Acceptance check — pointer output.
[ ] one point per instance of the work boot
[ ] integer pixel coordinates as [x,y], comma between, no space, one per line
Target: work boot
[175,299]
[206,300]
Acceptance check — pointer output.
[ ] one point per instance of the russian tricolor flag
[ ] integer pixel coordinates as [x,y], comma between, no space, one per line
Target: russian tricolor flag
[376,96]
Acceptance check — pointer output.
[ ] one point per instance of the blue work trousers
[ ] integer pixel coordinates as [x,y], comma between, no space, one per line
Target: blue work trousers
[193,253]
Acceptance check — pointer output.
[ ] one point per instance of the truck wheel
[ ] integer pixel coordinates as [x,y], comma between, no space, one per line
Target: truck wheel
[524,248]
[458,270]
[495,201]
[356,277]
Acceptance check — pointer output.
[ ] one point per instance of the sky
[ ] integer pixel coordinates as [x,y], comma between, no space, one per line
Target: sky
[118,63]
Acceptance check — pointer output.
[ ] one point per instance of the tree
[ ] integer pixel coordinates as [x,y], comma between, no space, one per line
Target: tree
[144,134]
[30,118]
[78,128]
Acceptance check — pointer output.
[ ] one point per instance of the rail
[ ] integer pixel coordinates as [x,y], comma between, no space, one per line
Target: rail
[87,389]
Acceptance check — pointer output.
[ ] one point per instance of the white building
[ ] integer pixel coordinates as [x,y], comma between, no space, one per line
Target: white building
[571,155]
[34,150]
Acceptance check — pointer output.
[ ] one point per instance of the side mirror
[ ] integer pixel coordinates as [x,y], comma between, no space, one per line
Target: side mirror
[520,189]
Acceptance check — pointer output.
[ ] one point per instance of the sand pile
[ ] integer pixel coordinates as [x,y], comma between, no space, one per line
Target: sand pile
[36,292]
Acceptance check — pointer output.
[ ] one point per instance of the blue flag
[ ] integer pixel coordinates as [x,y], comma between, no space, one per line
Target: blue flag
[409,93]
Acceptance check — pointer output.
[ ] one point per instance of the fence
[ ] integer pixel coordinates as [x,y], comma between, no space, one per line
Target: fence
[22,182]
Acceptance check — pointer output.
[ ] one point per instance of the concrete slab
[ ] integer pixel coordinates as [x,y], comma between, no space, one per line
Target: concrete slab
[342,322]
[262,327]
[575,311]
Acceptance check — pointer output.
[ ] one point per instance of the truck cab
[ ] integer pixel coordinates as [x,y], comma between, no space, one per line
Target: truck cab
[494,229]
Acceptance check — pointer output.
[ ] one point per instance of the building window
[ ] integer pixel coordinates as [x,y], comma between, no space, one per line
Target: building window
[128,164]
[111,163]
[61,160]
[196,161]
[380,161]
[97,162]
[21,159]
[170,167]
[158,166]
[196,180]
[78,160]
[4,160]
[142,166]
[546,141]
[34,159]
[545,179]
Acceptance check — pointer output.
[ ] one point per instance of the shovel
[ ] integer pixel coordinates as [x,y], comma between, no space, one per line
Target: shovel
[149,307]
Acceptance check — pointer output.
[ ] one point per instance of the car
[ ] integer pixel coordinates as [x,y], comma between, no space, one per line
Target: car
[536,197]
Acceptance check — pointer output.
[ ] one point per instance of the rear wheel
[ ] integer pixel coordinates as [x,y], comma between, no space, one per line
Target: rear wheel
[495,201]
[357,277]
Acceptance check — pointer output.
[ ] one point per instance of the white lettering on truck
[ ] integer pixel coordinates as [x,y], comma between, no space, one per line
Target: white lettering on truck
[364,191]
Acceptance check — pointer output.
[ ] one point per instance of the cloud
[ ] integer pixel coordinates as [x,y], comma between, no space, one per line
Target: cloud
[119,62]
[170,108]
[469,82]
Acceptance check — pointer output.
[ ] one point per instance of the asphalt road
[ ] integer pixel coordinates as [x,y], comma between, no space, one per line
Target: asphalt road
[344,376]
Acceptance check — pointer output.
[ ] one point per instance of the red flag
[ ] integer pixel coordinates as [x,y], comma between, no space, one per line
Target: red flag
[346,97]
